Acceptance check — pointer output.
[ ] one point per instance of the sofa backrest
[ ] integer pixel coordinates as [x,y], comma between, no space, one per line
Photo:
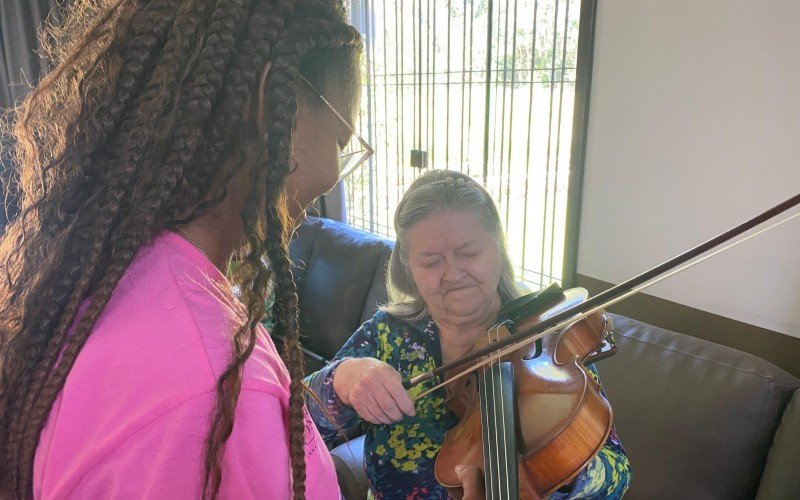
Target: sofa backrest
[340,275]
[696,418]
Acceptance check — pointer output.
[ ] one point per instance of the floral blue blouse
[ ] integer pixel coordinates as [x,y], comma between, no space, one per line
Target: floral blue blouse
[399,458]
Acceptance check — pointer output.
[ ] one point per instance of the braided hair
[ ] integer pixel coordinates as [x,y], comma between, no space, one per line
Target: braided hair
[146,117]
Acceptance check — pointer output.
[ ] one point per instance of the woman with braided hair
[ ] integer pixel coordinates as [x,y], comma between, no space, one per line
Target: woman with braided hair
[170,135]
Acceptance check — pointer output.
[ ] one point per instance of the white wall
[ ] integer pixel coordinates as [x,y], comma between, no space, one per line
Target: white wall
[694,127]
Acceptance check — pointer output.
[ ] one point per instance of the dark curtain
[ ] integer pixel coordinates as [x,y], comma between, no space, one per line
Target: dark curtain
[19,63]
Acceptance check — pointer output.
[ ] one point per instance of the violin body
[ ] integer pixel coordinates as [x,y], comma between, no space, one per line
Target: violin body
[562,420]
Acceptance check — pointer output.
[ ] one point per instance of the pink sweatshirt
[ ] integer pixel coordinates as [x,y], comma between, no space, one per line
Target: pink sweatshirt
[135,411]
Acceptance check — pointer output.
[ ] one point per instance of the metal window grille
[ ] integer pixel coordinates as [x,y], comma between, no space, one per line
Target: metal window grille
[486,87]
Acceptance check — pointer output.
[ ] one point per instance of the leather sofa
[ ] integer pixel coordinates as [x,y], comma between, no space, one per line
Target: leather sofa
[698,420]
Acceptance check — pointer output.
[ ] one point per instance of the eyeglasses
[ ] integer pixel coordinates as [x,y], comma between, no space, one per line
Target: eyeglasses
[349,161]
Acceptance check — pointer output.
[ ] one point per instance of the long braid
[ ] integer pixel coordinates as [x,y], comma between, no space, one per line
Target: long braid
[263,28]
[135,147]
[141,140]
[142,47]
[96,124]
[196,110]
[29,428]
[286,324]
[46,319]
[252,274]
[147,30]
[282,107]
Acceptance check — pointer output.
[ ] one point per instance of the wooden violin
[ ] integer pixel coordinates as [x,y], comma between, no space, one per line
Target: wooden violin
[551,389]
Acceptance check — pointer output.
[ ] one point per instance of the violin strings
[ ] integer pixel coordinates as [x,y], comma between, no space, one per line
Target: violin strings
[496,463]
[486,431]
[488,392]
[487,469]
[513,347]
[494,394]
[503,420]
[499,369]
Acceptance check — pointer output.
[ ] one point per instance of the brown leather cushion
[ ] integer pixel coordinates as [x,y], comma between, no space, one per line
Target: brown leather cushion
[782,473]
[696,418]
[348,458]
[339,272]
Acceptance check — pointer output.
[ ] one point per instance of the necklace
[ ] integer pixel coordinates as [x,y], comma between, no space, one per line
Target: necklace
[190,240]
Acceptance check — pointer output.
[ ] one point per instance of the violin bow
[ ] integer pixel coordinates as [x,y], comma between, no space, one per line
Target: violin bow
[604,299]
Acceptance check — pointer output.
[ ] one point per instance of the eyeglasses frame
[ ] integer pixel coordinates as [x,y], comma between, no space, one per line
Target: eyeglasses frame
[368,151]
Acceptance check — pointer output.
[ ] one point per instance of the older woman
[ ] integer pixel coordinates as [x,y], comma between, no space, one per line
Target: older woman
[448,276]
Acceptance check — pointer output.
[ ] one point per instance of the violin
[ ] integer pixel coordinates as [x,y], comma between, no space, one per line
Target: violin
[530,414]
[550,388]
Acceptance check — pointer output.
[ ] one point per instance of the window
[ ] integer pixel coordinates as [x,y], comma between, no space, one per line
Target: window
[481,86]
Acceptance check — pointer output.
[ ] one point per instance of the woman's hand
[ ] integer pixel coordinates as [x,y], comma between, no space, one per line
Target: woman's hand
[471,477]
[374,389]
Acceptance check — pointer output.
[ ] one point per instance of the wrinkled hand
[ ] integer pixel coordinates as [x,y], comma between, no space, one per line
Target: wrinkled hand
[471,477]
[374,389]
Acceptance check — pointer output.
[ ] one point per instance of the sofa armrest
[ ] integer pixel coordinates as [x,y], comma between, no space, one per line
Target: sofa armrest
[780,479]
[348,458]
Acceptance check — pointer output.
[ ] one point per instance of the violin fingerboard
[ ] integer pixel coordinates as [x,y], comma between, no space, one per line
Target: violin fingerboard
[498,413]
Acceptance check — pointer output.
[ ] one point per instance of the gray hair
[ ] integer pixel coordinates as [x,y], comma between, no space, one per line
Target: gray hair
[433,192]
